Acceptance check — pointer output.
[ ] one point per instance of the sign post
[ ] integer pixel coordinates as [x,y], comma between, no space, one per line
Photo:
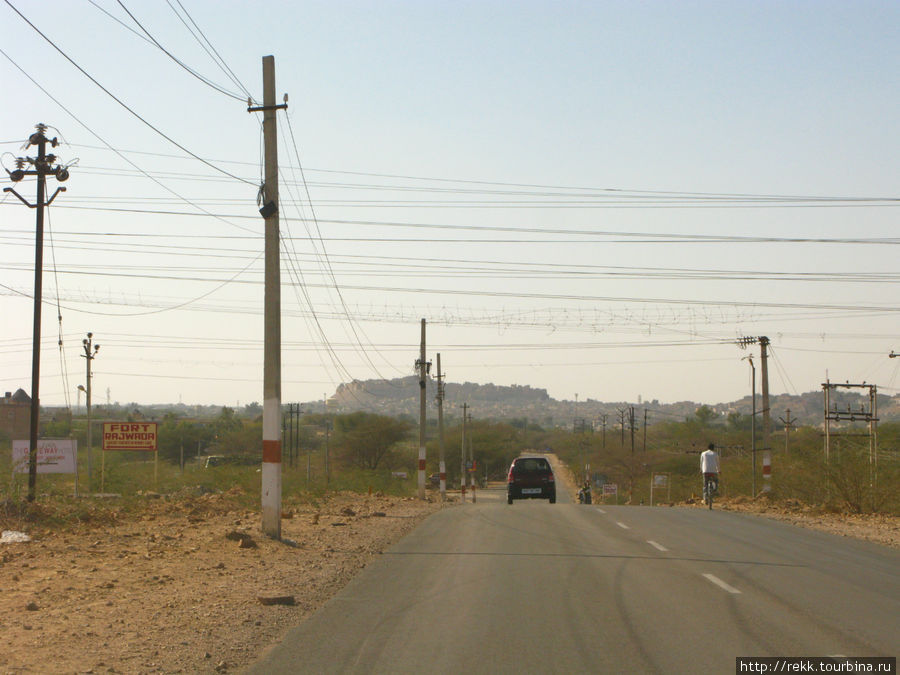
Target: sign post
[54,455]
[659,480]
[611,489]
[130,437]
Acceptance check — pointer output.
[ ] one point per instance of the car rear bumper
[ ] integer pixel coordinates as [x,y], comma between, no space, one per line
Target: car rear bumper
[515,492]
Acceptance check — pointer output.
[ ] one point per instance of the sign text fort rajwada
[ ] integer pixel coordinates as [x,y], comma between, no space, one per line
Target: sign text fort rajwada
[139,436]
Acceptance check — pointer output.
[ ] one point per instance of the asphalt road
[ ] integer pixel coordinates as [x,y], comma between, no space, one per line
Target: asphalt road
[569,588]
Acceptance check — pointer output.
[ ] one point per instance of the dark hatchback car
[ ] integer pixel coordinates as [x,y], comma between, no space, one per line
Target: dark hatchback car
[530,478]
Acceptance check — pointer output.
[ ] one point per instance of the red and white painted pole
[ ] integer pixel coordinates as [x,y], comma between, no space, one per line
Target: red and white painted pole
[442,467]
[462,461]
[767,471]
[271,441]
[423,371]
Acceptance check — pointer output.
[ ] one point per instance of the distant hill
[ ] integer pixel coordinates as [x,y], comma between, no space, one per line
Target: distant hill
[400,396]
[521,403]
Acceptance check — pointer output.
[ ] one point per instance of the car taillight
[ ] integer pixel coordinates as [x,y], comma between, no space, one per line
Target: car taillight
[550,478]
[509,477]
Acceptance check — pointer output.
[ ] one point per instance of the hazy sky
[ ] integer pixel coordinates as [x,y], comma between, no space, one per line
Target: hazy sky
[596,198]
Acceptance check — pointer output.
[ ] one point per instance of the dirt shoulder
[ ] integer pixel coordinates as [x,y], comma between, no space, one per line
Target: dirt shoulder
[181,588]
[875,527]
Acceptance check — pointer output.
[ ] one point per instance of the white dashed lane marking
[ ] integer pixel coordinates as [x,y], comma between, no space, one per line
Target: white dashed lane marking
[622,525]
[721,584]
[658,547]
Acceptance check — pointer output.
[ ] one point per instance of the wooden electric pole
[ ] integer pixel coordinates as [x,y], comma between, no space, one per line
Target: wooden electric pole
[271,440]
[43,166]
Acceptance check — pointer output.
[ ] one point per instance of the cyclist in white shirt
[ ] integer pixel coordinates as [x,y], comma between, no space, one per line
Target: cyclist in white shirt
[709,467]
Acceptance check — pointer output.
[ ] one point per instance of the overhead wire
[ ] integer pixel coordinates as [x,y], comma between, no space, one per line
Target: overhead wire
[314,319]
[215,56]
[887,309]
[181,63]
[782,371]
[121,102]
[110,147]
[62,362]
[583,191]
[331,270]
[300,288]
[356,330]
[622,236]
[448,267]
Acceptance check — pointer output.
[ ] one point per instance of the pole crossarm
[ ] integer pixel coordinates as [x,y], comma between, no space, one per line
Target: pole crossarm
[34,206]
[263,108]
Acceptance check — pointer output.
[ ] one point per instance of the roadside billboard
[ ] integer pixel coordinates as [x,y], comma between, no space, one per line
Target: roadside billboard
[53,455]
[134,436]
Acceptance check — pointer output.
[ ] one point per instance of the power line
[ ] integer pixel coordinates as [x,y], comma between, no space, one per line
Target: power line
[623,236]
[122,103]
[110,147]
[886,309]
[218,60]
[165,51]
[356,330]
[618,193]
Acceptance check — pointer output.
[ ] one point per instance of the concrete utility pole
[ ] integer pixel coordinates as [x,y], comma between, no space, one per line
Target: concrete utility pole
[631,479]
[471,465]
[462,461]
[43,166]
[90,353]
[764,377]
[788,425]
[327,448]
[603,424]
[753,424]
[422,367]
[764,381]
[644,448]
[271,441]
[440,401]
[621,412]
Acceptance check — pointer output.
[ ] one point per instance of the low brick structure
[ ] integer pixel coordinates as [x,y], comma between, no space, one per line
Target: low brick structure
[15,414]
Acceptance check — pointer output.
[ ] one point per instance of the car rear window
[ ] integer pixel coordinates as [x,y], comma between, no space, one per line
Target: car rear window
[531,464]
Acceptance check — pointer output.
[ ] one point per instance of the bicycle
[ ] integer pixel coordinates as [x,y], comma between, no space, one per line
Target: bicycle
[710,489]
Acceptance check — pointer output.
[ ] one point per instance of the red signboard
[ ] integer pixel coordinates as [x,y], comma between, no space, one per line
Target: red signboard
[140,436]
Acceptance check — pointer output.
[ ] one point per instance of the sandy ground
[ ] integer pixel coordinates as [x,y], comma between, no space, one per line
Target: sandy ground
[190,585]
[182,588]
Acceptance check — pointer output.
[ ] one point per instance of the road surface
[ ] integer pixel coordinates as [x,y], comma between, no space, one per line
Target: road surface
[569,588]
